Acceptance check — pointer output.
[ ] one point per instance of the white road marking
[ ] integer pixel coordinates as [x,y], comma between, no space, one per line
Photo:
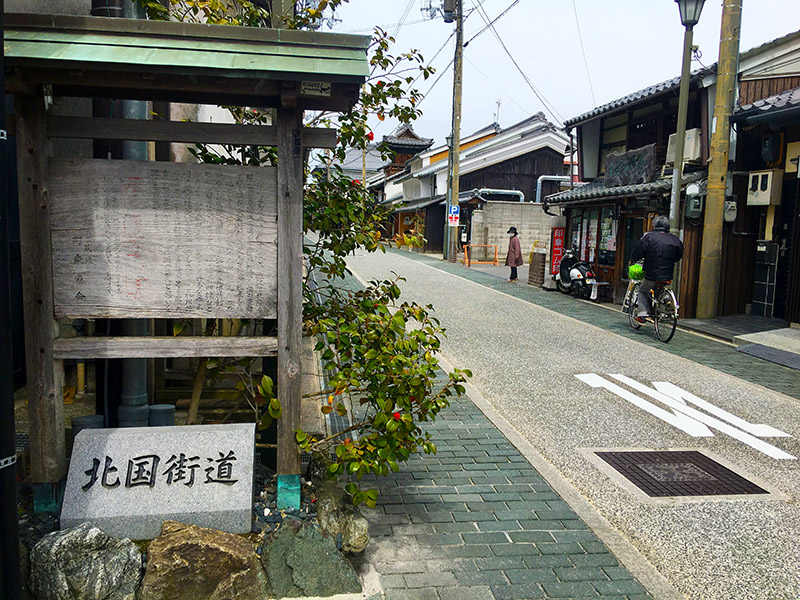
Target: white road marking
[679,420]
[688,419]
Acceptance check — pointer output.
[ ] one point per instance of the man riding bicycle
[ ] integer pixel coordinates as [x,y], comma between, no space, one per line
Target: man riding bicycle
[660,250]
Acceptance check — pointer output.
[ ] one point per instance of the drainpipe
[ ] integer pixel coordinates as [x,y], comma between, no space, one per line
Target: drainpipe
[134,370]
[548,178]
[571,165]
[497,192]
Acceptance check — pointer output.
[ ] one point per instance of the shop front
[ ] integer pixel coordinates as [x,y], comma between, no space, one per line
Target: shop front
[604,224]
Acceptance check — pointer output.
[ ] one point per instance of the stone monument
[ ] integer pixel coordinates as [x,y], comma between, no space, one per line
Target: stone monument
[129,481]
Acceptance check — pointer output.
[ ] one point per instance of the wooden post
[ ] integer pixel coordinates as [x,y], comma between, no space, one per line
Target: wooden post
[290,288]
[45,375]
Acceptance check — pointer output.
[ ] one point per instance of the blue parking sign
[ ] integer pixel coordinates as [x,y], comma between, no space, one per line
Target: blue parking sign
[454,210]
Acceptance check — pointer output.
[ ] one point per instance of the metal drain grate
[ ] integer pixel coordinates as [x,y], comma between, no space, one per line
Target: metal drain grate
[678,473]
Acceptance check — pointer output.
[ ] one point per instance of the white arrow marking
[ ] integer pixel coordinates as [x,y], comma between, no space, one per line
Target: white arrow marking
[759,430]
[681,407]
[681,421]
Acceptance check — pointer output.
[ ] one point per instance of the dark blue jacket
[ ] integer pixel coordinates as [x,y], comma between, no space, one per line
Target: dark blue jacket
[661,250]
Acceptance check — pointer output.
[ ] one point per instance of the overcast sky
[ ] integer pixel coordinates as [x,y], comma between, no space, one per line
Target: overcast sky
[628,44]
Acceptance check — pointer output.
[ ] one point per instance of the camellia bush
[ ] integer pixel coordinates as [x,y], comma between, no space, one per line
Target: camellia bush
[378,351]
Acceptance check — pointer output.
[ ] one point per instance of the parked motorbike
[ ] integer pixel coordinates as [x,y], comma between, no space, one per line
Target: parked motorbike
[576,276]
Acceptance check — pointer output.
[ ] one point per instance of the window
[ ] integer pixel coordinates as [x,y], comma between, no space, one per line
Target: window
[607,251]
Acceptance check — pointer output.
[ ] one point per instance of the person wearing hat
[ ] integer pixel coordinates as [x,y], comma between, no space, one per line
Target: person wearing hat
[514,256]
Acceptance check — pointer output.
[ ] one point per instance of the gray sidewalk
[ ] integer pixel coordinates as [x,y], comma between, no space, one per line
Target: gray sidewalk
[477,521]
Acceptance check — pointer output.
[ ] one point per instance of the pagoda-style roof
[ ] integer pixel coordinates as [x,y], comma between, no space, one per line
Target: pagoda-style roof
[406,141]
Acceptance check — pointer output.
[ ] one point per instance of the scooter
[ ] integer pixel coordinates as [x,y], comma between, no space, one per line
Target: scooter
[576,276]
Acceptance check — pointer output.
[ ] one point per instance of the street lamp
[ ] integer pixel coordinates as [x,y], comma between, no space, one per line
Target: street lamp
[690,11]
[690,14]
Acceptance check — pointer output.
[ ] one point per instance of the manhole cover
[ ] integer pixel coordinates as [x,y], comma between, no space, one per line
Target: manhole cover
[678,473]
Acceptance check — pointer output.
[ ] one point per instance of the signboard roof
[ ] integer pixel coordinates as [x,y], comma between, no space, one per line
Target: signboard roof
[256,57]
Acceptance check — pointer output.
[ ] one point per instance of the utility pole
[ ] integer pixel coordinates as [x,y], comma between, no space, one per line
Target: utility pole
[711,250]
[451,233]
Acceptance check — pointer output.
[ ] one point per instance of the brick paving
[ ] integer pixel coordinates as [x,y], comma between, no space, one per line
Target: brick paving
[702,350]
[477,521]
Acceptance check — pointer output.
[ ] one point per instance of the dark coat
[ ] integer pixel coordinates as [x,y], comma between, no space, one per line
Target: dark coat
[661,250]
[514,256]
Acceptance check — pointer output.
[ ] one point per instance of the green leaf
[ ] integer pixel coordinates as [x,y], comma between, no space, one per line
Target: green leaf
[300,436]
[264,422]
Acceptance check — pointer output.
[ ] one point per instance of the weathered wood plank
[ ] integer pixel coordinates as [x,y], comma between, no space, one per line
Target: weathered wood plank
[137,239]
[179,131]
[164,347]
[290,273]
[45,374]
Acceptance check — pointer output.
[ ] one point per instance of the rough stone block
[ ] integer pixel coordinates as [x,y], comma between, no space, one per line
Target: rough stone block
[129,481]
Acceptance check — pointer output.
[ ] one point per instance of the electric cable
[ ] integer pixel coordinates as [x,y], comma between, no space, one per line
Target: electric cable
[583,51]
[545,103]
[497,87]
[497,18]
[402,21]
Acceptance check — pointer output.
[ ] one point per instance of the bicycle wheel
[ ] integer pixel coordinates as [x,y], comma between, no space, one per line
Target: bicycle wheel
[666,315]
[633,307]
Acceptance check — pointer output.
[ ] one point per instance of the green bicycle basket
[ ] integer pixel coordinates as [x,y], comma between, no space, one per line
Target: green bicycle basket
[635,272]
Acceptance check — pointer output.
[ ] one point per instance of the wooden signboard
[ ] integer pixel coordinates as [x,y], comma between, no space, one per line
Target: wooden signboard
[163,240]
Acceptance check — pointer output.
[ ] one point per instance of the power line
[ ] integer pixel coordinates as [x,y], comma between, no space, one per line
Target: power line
[547,105]
[497,18]
[585,62]
[403,18]
[449,64]
[370,29]
[497,87]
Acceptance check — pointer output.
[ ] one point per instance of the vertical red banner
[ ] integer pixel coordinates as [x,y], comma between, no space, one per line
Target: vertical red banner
[557,249]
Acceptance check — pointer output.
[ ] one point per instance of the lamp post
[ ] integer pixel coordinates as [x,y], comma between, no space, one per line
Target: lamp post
[690,14]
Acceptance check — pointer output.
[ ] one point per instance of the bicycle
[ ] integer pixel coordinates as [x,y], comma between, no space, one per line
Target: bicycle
[665,308]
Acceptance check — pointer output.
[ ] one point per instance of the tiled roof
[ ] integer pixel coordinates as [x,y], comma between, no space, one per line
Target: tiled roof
[643,94]
[407,137]
[675,82]
[597,190]
[787,99]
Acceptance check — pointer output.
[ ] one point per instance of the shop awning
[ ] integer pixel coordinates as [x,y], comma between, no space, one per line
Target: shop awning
[596,191]
[420,204]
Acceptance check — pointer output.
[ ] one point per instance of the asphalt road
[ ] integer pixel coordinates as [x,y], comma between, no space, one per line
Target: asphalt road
[526,360]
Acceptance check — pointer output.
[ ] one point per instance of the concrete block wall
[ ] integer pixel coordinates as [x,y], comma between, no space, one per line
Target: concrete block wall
[489,226]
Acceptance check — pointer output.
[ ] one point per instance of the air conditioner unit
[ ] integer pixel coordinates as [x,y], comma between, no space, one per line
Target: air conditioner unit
[692,148]
[764,187]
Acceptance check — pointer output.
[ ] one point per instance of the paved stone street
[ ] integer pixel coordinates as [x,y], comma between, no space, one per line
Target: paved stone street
[516,503]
